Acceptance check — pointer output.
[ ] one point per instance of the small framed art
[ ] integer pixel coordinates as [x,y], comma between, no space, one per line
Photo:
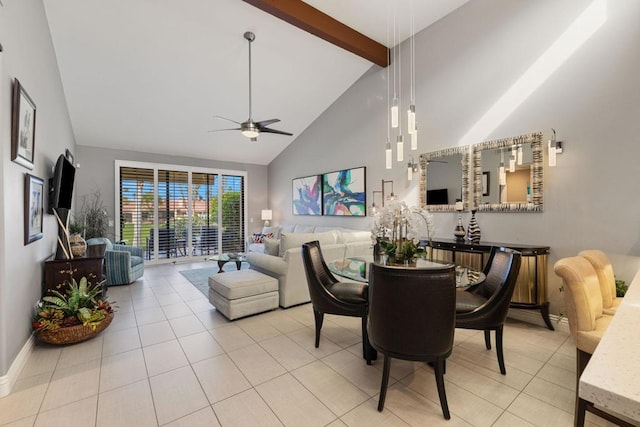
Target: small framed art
[344,192]
[33,208]
[23,127]
[306,195]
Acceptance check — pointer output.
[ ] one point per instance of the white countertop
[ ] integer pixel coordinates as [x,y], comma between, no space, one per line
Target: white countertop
[612,377]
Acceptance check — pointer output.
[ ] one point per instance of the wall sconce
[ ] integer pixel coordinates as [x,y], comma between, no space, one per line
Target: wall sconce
[412,167]
[267,215]
[374,207]
[555,147]
[391,195]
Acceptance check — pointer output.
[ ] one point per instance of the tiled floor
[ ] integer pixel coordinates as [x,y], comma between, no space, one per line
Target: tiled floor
[170,359]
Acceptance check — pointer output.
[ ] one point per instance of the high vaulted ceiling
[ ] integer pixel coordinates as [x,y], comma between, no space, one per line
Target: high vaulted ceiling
[150,76]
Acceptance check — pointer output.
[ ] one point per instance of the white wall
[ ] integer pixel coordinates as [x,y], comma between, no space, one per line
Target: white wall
[29,56]
[465,64]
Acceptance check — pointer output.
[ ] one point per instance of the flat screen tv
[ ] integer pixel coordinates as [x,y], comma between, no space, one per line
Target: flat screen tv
[438,197]
[61,184]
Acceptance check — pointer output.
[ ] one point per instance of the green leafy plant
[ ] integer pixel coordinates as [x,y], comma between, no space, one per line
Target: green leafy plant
[621,288]
[79,305]
[400,251]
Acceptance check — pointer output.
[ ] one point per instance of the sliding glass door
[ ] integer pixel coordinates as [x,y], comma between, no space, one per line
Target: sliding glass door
[176,212]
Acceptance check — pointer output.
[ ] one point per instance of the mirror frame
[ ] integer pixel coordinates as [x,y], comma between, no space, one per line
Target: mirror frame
[537,166]
[424,162]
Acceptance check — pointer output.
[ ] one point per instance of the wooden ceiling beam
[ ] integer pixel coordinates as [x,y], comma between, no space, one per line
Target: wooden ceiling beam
[310,19]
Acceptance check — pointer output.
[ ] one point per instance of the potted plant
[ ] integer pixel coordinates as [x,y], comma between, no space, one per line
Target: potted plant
[77,314]
[397,230]
[93,221]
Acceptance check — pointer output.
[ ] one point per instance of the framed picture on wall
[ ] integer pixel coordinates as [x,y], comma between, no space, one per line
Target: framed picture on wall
[345,192]
[23,127]
[306,195]
[33,208]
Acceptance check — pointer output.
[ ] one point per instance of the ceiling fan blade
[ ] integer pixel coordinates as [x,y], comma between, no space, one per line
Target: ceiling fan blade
[224,118]
[279,132]
[218,130]
[264,123]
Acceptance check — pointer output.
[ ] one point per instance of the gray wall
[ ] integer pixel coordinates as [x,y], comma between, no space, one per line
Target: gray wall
[464,64]
[28,55]
[97,170]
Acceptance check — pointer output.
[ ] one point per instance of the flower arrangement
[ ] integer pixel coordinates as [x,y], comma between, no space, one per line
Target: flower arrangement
[79,305]
[397,230]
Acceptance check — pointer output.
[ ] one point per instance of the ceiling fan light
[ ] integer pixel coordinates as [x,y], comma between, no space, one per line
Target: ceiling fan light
[250,133]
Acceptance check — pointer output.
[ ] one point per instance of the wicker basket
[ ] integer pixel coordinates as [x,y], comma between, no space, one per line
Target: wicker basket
[73,334]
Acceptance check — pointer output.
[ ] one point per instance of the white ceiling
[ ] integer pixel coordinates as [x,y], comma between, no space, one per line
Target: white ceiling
[149,75]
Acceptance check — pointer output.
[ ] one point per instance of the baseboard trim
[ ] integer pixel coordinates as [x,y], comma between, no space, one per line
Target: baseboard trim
[560,323]
[8,381]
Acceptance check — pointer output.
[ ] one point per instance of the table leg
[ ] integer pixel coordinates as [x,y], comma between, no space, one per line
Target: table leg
[220,265]
[544,310]
[238,265]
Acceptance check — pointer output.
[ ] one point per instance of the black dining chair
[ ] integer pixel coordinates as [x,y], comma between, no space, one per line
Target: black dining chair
[485,306]
[412,317]
[330,296]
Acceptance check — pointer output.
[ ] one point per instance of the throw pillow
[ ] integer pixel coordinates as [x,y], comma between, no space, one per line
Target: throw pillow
[274,230]
[271,246]
[296,240]
[355,236]
[257,238]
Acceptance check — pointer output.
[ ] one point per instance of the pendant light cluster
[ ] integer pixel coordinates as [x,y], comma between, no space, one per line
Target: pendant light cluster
[394,120]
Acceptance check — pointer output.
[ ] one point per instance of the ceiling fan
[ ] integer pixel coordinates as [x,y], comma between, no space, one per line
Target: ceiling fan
[249,128]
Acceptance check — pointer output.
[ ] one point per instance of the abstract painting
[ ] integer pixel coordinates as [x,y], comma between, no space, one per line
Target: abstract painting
[23,127]
[306,195]
[344,192]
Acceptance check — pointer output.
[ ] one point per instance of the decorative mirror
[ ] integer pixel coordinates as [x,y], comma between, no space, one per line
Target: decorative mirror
[444,178]
[508,174]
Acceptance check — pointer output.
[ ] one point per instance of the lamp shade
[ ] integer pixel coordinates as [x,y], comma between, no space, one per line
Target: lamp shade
[267,214]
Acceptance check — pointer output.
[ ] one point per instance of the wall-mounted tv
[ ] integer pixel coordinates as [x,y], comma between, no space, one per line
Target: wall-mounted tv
[61,184]
[438,197]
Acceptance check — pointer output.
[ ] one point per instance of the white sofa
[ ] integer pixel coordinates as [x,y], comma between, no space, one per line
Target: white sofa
[283,256]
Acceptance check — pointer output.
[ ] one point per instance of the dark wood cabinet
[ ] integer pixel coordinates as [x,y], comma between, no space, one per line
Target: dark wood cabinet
[531,287]
[57,271]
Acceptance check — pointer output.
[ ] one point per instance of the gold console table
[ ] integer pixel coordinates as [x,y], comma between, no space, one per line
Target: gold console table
[531,287]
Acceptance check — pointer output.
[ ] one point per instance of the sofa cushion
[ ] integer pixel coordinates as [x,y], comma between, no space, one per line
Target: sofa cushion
[272,246]
[241,284]
[301,228]
[135,260]
[296,240]
[271,230]
[256,247]
[288,228]
[322,229]
[350,236]
[257,238]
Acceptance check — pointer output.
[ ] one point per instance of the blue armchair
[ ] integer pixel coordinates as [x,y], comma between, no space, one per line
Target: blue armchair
[123,264]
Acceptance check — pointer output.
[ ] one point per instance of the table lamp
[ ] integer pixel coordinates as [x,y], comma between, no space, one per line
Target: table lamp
[267,215]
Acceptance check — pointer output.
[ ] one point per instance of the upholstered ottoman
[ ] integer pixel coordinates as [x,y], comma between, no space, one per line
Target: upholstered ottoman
[243,293]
